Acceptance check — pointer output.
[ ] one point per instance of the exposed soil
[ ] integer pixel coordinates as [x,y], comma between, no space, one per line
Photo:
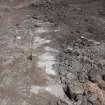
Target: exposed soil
[52,52]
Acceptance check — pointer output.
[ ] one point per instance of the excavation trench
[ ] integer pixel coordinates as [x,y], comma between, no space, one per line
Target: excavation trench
[52,52]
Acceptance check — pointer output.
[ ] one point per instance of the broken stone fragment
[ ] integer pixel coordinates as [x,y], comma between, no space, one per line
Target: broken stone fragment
[84,100]
[75,88]
[101,63]
[92,98]
[94,75]
[102,85]
[103,77]
[70,76]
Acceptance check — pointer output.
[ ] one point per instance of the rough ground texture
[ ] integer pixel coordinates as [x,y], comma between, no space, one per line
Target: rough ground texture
[52,52]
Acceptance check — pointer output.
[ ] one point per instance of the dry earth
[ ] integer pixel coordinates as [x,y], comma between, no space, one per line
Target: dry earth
[52,52]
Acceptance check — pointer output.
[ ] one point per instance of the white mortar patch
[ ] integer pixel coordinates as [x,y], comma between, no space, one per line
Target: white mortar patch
[41,30]
[36,89]
[47,48]
[55,90]
[18,37]
[46,61]
[38,41]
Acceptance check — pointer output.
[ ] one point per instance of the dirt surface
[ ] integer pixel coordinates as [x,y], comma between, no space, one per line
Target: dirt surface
[52,52]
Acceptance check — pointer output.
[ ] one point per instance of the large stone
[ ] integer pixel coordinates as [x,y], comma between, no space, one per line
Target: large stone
[75,88]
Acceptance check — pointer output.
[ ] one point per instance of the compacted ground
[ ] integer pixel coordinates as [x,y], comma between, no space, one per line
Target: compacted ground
[52,52]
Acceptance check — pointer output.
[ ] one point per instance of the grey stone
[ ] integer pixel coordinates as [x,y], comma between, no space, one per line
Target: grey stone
[76,88]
